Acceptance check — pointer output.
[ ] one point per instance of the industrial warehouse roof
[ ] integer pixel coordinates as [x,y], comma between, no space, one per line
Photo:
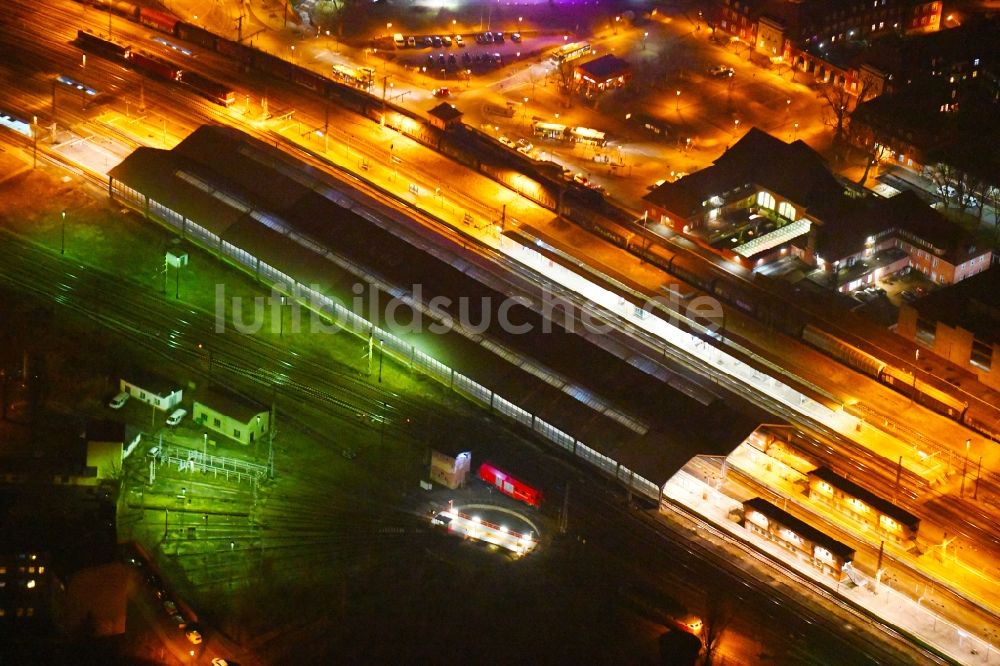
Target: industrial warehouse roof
[606,67]
[880,504]
[803,529]
[793,170]
[973,305]
[313,228]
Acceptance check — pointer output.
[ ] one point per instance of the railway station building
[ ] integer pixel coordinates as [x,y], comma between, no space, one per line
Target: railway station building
[766,200]
[864,506]
[800,538]
[356,262]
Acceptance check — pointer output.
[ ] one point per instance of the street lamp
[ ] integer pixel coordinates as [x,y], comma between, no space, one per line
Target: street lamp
[677,106]
[380,344]
[644,36]
[965,467]
[62,243]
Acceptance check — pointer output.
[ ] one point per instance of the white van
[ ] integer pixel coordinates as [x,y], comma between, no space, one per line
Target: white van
[176,417]
[399,41]
[118,401]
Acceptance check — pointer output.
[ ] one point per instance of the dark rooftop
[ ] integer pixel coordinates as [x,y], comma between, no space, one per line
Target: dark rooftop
[321,232]
[232,405]
[604,68]
[446,112]
[102,430]
[848,224]
[880,504]
[793,170]
[973,305]
[156,384]
[803,529]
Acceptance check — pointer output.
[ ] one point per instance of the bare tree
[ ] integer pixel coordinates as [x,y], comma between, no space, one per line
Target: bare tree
[718,616]
[991,197]
[950,184]
[837,113]
[565,77]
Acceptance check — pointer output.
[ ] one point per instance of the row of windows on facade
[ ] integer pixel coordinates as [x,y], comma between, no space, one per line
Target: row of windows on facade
[791,539]
[17,612]
[859,506]
[22,569]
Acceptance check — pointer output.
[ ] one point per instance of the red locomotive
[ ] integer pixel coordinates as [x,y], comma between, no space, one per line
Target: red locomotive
[510,486]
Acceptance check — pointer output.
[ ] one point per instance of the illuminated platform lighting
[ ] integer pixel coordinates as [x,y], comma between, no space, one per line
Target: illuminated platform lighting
[474,527]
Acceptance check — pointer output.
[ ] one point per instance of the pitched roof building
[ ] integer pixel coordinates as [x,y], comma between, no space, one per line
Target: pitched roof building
[444,115]
[764,199]
[604,73]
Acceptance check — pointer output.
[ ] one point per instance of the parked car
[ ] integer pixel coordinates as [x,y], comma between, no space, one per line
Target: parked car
[219,661]
[118,401]
[428,41]
[721,71]
[459,41]
[507,142]
[192,634]
[498,38]
[446,40]
[170,607]
[176,417]
[436,41]
[399,40]
[516,37]
[487,37]
[442,92]
[411,42]
[179,620]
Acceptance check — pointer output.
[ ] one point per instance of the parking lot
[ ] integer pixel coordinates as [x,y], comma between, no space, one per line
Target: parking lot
[467,53]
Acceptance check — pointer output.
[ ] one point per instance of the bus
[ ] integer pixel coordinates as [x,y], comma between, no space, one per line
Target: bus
[357,77]
[569,52]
